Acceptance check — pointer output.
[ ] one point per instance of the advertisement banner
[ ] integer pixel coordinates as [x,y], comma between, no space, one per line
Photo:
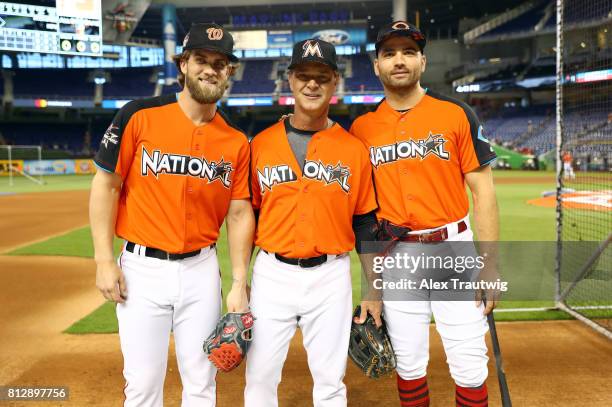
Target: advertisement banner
[257,101]
[4,167]
[336,36]
[254,39]
[280,39]
[362,99]
[49,167]
[84,167]
[290,100]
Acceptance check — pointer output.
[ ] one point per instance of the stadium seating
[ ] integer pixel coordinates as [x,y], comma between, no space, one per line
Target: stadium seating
[362,78]
[523,23]
[534,128]
[58,136]
[129,83]
[510,72]
[596,11]
[530,128]
[52,83]
[513,127]
[282,19]
[255,79]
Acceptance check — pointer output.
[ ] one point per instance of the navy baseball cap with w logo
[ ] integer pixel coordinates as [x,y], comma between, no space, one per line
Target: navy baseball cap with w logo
[314,50]
[401,28]
[212,37]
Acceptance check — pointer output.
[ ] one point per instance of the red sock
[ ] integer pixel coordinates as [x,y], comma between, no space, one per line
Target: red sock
[472,396]
[413,393]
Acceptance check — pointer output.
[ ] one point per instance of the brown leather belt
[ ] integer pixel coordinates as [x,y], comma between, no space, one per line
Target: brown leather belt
[435,236]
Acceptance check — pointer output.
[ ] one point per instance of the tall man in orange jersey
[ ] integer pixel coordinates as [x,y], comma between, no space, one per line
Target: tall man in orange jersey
[171,170]
[424,148]
[312,187]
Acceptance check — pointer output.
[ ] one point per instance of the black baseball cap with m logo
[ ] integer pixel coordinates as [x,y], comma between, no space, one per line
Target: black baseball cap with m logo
[314,50]
[212,37]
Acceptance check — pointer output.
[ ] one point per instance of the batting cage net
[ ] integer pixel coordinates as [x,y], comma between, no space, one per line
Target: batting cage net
[584,156]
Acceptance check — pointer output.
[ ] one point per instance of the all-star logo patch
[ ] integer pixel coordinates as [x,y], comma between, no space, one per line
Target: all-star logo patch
[410,149]
[328,174]
[176,164]
[268,177]
[110,136]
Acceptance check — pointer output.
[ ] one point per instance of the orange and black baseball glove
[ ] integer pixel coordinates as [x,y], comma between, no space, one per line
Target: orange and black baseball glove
[227,346]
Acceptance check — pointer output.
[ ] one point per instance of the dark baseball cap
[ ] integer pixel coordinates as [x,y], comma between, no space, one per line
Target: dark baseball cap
[314,50]
[400,28]
[212,37]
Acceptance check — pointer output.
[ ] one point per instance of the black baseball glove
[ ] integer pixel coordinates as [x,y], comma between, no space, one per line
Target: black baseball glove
[370,347]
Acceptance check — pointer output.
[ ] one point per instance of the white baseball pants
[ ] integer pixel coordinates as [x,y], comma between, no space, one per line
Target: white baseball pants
[319,301]
[461,325]
[182,296]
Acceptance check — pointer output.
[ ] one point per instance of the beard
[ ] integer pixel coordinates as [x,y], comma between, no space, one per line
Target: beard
[401,85]
[205,95]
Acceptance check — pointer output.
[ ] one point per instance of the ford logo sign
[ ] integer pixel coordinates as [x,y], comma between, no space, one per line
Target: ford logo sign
[336,37]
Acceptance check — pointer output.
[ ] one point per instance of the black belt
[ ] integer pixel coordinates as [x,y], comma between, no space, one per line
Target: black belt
[304,263]
[163,255]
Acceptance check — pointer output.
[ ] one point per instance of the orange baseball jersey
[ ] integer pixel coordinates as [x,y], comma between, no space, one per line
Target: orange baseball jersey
[420,157]
[307,210]
[178,178]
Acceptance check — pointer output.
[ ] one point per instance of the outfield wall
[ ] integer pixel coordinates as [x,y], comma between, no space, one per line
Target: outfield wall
[515,159]
[49,167]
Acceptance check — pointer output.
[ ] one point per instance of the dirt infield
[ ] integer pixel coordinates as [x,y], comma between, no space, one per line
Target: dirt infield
[27,218]
[547,363]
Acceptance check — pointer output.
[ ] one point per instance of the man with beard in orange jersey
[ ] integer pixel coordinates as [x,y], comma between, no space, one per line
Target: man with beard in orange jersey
[171,170]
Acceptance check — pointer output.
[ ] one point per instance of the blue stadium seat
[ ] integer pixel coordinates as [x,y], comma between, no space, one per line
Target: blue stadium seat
[255,78]
[362,78]
[53,83]
[524,22]
[129,83]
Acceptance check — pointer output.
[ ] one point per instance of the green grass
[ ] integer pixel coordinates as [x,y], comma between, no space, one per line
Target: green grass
[101,321]
[524,174]
[52,183]
[548,315]
[76,243]
[518,221]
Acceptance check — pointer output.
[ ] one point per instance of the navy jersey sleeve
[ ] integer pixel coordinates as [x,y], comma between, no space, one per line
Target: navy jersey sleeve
[117,145]
[482,147]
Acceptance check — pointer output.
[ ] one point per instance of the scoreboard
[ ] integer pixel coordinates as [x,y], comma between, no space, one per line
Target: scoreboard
[71,27]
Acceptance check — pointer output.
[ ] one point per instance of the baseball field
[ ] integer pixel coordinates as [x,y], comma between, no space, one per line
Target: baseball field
[58,330]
